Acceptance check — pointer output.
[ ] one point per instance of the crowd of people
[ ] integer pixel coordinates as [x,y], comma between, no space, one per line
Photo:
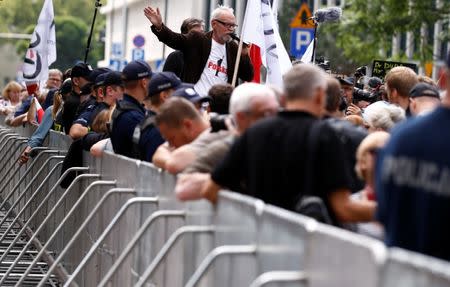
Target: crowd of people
[358,152]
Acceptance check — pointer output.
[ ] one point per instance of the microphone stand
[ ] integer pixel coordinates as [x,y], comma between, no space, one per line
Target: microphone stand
[88,47]
[313,56]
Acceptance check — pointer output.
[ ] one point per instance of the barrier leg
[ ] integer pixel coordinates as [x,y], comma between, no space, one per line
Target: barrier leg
[280,277]
[60,226]
[114,221]
[166,248]
[83,226]
[29,169]
[83,176]
[213,255]
[16,219]
[8,213]
[148,222]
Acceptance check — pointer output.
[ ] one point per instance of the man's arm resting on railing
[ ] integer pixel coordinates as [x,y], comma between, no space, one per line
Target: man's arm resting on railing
[348,210]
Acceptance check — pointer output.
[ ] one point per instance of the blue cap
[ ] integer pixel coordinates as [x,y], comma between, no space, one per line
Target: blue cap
[97,72]
[81,70]
[190,94]
[136,70]
[163,81]
[113,78]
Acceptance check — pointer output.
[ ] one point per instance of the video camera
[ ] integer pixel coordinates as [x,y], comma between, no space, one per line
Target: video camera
[363,95]
[323,64]
[217,122]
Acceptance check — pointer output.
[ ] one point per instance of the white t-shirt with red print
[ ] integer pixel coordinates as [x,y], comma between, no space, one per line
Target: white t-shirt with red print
[215,71]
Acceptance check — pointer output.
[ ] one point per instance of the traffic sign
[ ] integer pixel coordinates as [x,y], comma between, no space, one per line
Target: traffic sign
[116,50]
[301,19]
[300,40]
[117,65]
[138,54]
[139,41]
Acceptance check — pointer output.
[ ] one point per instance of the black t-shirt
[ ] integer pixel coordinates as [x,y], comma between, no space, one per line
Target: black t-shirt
[270,159]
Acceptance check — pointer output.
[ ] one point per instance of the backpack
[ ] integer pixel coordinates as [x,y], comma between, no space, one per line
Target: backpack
[147,122]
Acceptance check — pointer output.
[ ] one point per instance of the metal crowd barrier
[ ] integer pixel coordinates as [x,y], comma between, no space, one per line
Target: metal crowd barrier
[119,224]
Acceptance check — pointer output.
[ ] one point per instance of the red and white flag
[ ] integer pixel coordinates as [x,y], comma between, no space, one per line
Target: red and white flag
[261,29]
[39,110]
[41,52]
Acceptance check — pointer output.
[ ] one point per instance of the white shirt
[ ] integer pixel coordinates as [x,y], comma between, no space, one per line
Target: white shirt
[215,71]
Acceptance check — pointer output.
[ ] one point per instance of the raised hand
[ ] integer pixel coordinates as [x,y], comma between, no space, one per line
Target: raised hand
[154,16]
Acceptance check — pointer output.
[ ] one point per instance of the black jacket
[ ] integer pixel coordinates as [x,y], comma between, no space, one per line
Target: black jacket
[196,47]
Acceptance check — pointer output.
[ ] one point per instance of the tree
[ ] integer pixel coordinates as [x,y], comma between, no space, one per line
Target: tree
[72,20]
[366,28]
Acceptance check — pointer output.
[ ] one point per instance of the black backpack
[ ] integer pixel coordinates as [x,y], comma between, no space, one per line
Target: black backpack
[146,123]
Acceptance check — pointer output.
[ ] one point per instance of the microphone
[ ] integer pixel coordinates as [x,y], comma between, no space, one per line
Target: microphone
[327,14]
[236,38]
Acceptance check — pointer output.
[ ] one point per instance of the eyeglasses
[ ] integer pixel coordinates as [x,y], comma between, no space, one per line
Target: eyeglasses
[54,79]
[228,25]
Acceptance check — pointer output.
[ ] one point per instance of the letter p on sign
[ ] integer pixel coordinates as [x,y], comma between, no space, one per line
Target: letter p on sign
[303,38]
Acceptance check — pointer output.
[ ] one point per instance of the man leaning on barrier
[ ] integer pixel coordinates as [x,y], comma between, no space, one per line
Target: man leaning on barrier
[284,158]
[249,103]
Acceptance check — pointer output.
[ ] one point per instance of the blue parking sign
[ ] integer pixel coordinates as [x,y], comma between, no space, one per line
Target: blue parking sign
[300,40]
[138,54]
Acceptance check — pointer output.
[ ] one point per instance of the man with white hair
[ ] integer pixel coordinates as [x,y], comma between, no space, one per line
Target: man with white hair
[283,158]
[209,57]
[249,103]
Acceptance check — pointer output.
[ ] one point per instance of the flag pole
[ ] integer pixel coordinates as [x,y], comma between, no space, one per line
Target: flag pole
[238,60]
[241,43]
[88,47]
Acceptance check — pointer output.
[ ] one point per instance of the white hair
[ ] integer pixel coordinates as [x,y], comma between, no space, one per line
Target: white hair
[219,10]
[301,81]
[382,115]
[243,95]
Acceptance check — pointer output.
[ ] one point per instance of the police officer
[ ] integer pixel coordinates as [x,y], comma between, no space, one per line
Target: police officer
[108,88]
[130,112]
[83,119]
[80,77]
[146,135]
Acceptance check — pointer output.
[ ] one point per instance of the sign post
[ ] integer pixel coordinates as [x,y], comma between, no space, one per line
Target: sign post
[302,31]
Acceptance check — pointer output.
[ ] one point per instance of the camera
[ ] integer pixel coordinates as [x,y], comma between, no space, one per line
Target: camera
[218,122]
[363,95]
[323,64]
[360,72]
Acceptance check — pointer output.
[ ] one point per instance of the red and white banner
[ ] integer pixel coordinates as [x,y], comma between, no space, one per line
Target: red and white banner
[260,28]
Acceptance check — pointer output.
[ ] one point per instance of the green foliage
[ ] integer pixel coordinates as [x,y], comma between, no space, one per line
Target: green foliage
[72,19]
[366,28]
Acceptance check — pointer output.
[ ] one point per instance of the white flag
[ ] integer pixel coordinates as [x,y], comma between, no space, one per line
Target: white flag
[306,58]
[41,52]
[260,28]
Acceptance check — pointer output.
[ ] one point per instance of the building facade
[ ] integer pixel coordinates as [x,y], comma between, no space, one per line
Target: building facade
[128,35]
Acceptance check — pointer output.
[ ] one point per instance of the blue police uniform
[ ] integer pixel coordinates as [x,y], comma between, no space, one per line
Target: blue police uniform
[123,126]
[150,140]
[413,185]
